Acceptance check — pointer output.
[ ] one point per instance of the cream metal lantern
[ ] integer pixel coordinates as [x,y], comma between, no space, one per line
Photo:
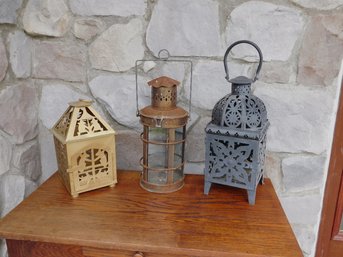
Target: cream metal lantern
[85,149]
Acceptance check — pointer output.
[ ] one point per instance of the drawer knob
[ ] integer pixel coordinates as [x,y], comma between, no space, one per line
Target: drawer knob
[138,254]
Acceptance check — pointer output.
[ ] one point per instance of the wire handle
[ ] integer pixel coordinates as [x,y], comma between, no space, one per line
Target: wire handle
[164,56]
[244,42]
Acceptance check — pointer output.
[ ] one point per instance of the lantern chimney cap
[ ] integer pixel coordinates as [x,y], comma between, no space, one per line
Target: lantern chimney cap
[163,81]
[81,103]
[241,80]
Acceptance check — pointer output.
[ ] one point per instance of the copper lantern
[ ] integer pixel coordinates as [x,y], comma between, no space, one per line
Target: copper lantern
[164,133]
[85,149]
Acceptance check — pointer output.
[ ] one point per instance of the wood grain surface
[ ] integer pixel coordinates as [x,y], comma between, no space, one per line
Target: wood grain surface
[128,218]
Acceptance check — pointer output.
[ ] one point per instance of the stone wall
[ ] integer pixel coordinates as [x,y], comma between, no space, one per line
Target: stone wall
[55,52]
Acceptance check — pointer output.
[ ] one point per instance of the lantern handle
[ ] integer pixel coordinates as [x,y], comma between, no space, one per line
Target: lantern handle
[244,42]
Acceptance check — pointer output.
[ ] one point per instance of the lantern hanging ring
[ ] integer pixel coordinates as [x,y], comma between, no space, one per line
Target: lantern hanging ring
[164,56]
[249,43]
[163,51]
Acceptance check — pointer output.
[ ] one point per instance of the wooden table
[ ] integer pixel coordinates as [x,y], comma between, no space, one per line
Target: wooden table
[128,221]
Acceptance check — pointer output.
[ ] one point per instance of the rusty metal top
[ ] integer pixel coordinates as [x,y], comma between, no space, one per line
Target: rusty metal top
[163,111]
[165,118]
[163,81]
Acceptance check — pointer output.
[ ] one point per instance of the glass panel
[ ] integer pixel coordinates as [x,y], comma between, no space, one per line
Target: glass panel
[178,148]
[158,161]
[178,174]
[163,155]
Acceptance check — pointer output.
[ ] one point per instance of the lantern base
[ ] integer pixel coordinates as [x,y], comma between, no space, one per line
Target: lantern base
[251,192]
[154,188]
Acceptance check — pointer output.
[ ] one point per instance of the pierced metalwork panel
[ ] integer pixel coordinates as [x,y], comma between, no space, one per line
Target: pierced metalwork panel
[87,123]
[62,160]
[219,109]
[164,96]
[243,111]
[93,166]
[63,124]
[241,89]
[247,134]
[231,161]
[261,157]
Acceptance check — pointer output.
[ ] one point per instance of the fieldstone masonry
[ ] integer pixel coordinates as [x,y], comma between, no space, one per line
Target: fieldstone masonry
[3,61]
[308,109]
[55,52]
[59,60]
[107,7]
[49,18]
[117,48]
[20,53]
[87,28]
[5,154]
[322,44]
[18,116]
[197,32]
[276,32]
[8,10]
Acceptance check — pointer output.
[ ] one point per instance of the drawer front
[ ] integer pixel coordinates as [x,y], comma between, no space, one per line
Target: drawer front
[20,248]
[95,252]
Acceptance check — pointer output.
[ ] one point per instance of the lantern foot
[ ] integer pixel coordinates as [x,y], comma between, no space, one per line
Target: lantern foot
[75,195]
[207,187]
[251,196]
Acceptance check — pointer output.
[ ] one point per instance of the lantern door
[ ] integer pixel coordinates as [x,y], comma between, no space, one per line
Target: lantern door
[92,165]
[231,161]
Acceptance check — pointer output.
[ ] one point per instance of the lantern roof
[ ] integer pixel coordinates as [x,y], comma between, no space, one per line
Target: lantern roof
[163,81]
[241,80]
[242,115]
[80,121]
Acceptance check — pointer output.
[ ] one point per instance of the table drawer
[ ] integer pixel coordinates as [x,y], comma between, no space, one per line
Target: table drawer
[23,248]
[94,252]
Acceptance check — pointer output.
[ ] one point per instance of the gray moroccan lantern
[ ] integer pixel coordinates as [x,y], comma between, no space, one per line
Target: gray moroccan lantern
[236,136]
